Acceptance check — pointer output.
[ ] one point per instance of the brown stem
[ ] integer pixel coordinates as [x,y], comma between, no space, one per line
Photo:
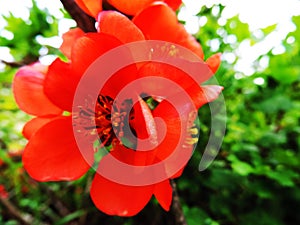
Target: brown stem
[176,206]
[58,204]
[84,21]
[15,212]
[28,59]
[11,64]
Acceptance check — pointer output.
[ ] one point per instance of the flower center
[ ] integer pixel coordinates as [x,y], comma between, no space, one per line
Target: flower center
[103,119]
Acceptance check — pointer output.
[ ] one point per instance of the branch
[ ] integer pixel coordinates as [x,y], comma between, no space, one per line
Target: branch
[176,206]
[84,21]
[26,220]
[58,204]
[12,64]
[28,59]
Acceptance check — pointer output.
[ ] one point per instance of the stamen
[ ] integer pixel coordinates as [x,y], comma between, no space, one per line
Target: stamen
[117,122]
[94,119]
[191,118]
[193,131]
[191,140]
[103,119]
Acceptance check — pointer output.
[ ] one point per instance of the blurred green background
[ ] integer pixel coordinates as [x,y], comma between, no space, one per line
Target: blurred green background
[255,176]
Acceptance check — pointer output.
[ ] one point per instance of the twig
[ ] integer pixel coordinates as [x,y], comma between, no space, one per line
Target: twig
[26,220]
[28,59]
[84,21]
[176,206]
[12,64]
[58,204]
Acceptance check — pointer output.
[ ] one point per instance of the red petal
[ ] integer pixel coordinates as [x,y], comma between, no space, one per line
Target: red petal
[69,39]
[3,193]
[144,125]
[212,92]
[174,4]
[52,154]
[178,174]
[35,124]
[205,94]
[184,82]
[127,156]
[161,70]
[159,22]
[214,62]
[82,5]
[118,81]
[60,84]
[163,193]
[91,7]
[145,129]
[88,48]
[176,120]
[127,167]
[29,91]
[199,95]
[119,26]
[116,199]
[130,7]
[174,151]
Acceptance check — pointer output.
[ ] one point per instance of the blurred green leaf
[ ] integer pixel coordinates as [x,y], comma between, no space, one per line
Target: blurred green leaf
[70,217]
[269,29]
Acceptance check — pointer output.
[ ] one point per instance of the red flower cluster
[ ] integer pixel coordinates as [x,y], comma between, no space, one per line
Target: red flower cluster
[52,153]
[3,192]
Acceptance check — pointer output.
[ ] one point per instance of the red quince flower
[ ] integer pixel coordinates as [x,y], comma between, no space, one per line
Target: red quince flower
[132,7]
[52,153]
[91,7]
[156,22]
[3,192]
[159,22]
[155,19]
[135,6]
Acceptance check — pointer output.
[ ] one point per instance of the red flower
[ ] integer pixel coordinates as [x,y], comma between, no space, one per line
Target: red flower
[91,7]
[132,7]
[52,152]
[159,22]
[3,192]
[156,20]
[135,6]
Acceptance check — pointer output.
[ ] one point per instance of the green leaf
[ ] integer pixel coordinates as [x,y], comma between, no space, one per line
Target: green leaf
[269,29]
[196,216]
[284,177]
[240,167]
[70,217]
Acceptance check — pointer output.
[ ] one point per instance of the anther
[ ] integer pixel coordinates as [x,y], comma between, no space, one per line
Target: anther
[191,141]
[193,131]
